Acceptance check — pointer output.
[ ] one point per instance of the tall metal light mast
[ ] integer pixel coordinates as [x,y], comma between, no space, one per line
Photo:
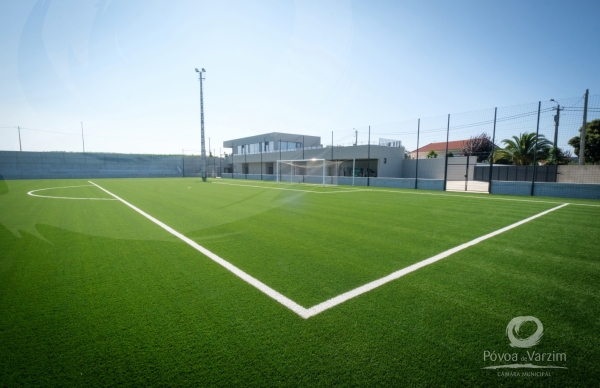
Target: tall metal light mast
[202,124]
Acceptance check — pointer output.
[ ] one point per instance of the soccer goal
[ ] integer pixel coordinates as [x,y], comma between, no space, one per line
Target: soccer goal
[313,171]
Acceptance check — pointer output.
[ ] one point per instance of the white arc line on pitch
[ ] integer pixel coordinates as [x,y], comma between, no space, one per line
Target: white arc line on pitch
[295,307]
[312,311]
[66,187]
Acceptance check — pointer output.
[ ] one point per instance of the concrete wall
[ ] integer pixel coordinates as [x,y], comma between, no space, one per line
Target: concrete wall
[428,168]
[578,174]
[434,168]
[56,165]
[547,189]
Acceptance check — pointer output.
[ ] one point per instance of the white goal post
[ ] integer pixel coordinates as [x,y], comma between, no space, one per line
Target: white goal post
[315,171]
[300,164]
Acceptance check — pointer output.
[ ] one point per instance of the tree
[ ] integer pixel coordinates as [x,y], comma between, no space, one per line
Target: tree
[432,154]
[480,145]
[592,142]
[558,156]
[520,149]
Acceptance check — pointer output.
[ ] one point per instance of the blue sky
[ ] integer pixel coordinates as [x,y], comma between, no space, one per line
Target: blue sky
[126,69]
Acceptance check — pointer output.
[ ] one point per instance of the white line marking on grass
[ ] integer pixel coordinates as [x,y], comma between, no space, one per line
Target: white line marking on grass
[63,187]
[312,311]
[290,304]
[393,276]
[418,192]
[282,188]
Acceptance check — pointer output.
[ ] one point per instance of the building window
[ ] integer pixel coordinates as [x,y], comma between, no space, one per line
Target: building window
[289,145]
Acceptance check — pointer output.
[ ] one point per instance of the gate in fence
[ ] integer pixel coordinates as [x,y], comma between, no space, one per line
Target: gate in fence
[460,175]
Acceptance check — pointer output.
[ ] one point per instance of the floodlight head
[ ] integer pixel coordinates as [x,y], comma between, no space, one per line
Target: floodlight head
[197,71]
[204,71]
[552,99]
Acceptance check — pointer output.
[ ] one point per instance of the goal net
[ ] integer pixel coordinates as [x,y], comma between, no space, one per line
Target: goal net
[315,171]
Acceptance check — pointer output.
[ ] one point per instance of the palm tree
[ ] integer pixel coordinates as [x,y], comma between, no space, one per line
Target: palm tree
[520,149]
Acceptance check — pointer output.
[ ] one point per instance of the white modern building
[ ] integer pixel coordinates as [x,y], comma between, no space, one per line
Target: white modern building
[258,156]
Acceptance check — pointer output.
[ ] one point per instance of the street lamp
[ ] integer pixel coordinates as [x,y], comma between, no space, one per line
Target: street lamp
[203,152]
[556,122]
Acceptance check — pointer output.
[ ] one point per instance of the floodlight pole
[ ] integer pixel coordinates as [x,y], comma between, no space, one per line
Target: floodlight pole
[203,152]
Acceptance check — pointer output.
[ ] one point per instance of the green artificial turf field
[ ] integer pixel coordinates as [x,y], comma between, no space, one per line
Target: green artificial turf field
[92,293]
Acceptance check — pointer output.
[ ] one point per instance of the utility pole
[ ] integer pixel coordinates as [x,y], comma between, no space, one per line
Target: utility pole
[202,125]
[583,130]
[355,136]
[556,121]
[20,146]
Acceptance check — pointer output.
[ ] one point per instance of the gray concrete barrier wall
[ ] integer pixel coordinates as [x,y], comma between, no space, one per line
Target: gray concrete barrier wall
[62,165]
[428,168]
[567,190]
[510,188]
[547,189]
[578,174]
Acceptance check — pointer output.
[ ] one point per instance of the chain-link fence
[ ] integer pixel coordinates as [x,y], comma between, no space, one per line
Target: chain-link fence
[529,149]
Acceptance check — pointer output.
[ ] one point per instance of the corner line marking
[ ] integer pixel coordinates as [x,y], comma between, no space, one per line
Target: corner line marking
[319,308]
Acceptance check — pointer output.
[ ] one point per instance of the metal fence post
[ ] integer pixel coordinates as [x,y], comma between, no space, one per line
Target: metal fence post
[493,149]
[583,130]
[446,156]
[417,166]
[537,134]
[369,159]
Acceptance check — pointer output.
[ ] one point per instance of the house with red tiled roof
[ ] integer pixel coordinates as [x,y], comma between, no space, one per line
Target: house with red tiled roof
[440,148]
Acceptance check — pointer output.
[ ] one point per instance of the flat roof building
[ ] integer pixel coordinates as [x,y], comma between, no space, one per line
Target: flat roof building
[258,155]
